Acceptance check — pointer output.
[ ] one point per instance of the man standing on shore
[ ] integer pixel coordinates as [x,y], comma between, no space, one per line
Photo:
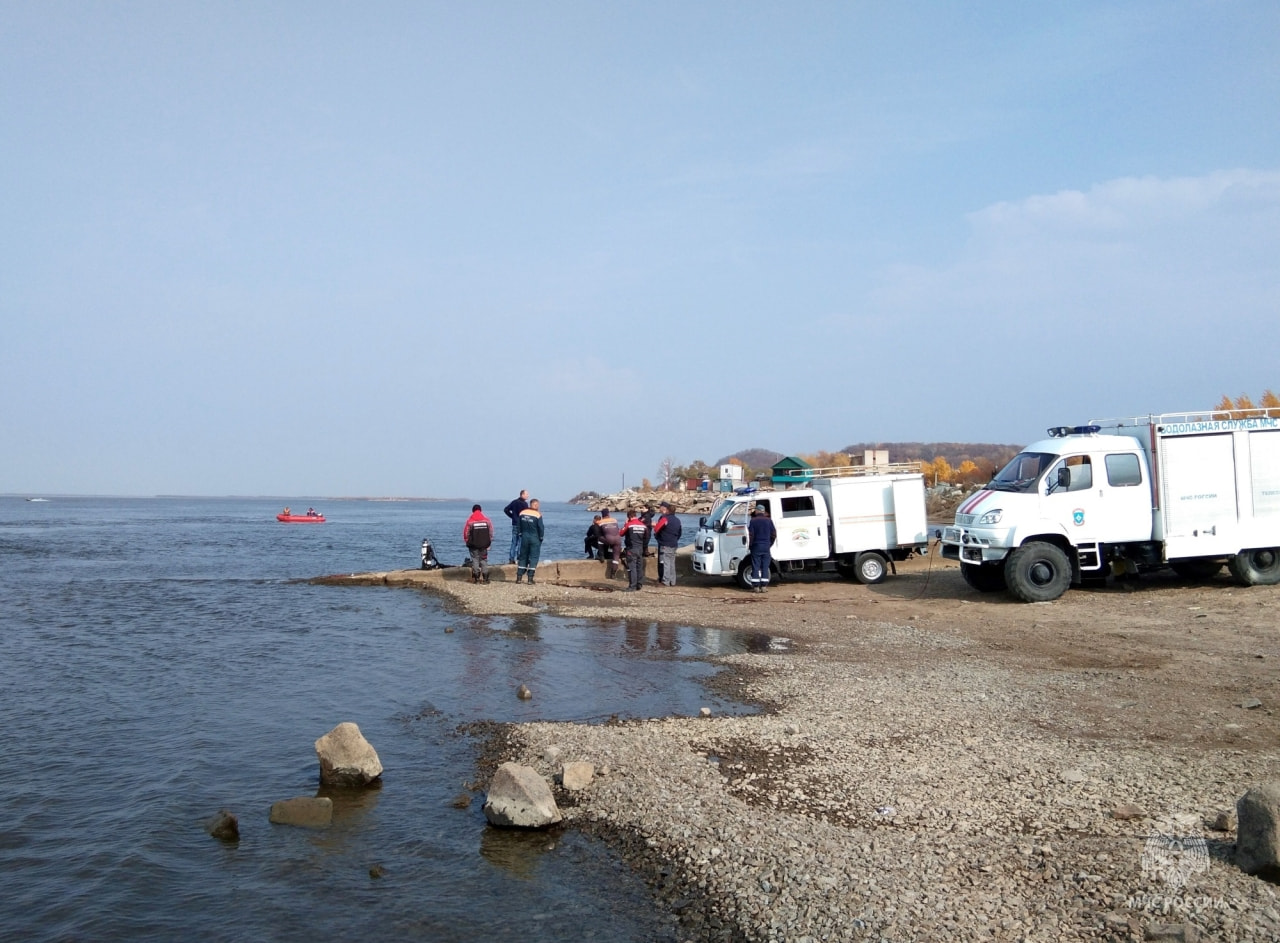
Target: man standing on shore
[761,536]
[477,534]
[634,533]
[666,531]
[531,533]
[512,511]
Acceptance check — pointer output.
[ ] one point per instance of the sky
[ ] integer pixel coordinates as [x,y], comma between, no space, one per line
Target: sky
[442,249]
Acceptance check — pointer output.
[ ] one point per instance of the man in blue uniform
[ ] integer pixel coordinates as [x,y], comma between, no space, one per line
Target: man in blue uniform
[761,536]
[512,511]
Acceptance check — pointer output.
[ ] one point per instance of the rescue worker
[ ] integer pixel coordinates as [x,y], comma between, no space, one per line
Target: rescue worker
[666,531]
[532,531]
[761,536]
[512,511]
[591,543]
[477,534]
[634,533]
[610,543]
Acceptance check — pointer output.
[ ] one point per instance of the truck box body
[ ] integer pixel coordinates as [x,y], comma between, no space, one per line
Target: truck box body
[842,516]
[1125,494]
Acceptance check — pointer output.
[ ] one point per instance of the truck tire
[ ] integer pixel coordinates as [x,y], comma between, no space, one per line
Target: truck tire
[984,577]
[1038,572]
[870,568]
[1196,569]
[1259,567]
[744,574]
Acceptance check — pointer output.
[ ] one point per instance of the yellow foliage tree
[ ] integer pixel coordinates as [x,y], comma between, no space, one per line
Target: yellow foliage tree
[1270,402]
[968,472]
[1242,406]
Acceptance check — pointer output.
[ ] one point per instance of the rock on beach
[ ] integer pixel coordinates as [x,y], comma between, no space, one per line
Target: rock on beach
[347,758]
[520,798]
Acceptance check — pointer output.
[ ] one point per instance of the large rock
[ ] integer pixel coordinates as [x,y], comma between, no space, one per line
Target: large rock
[310,811]
[347,758]
[1258,831]
[577,776]
[520,798]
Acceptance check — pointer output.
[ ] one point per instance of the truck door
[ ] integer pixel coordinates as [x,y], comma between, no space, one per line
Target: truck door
[733,548]
[1106,500]
[1198,495]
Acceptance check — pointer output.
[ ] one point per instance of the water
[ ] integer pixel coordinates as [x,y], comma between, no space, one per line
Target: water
[160,659]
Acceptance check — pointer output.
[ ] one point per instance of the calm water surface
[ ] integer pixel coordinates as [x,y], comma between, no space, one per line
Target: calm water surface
[158,662]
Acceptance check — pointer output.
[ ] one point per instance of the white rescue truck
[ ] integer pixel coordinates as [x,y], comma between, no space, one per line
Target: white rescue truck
[855,520]
[1183,490]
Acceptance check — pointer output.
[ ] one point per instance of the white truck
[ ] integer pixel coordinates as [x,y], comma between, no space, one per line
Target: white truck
[855,520]
[1191,491]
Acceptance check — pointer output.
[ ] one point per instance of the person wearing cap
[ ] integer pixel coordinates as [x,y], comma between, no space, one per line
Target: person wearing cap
[761,536]
[666,531]
[634,532]
[477,534]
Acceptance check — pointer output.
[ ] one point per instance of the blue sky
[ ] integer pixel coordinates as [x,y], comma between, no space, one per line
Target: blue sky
[455,249]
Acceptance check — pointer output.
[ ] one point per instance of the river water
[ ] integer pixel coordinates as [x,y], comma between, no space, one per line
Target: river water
[161,659]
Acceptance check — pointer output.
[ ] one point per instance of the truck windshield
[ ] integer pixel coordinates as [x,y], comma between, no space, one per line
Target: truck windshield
[1021,472]
[719,513]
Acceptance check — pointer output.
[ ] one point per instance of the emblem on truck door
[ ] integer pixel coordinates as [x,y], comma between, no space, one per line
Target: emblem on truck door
[1077,516]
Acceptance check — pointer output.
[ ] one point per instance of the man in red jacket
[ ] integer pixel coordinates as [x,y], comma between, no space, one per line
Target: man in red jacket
[477,534]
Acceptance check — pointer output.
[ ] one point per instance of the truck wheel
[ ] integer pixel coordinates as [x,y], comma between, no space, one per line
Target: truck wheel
[744,574]
[1196,569]
[1259,567]
[1038,572]
[869,567]
[984,577]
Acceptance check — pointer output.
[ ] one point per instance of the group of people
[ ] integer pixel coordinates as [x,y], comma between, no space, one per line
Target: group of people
[527,533]
[625,544]
[628,544]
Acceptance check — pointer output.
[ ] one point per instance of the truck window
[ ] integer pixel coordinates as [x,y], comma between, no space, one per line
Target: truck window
[1081,475]
[738,514]
[798,507]
[1123,471]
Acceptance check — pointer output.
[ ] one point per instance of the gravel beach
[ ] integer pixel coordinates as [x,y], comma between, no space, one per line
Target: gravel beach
[933,763]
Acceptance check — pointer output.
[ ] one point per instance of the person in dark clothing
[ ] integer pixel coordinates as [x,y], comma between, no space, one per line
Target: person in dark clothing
[646,515]
[610,543]
[477,534]
[634,532]
[761,536]
[512,511]
[532,531]
[591,544]
[666,531]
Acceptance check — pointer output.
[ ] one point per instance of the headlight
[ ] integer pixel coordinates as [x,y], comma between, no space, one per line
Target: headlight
[991,517]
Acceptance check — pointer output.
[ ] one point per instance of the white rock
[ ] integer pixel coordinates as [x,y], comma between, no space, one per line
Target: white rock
[576,776]
[520,798]
[346,757]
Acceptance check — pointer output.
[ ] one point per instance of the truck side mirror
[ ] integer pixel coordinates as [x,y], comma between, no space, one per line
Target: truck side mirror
[1064,478]
[702,521]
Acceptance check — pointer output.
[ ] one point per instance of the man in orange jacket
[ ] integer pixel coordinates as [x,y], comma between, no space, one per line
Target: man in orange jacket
[477,534]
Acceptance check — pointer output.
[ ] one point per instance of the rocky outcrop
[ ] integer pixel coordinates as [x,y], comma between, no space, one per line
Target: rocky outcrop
[347,758]
[520,798]
[1258,831]
[682,502]
[307,811]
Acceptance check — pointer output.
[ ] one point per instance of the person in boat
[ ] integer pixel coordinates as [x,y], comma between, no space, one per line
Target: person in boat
[286,511]
[311,512]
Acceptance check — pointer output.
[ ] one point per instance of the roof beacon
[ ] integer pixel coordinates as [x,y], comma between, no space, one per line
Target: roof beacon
[1058,432]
